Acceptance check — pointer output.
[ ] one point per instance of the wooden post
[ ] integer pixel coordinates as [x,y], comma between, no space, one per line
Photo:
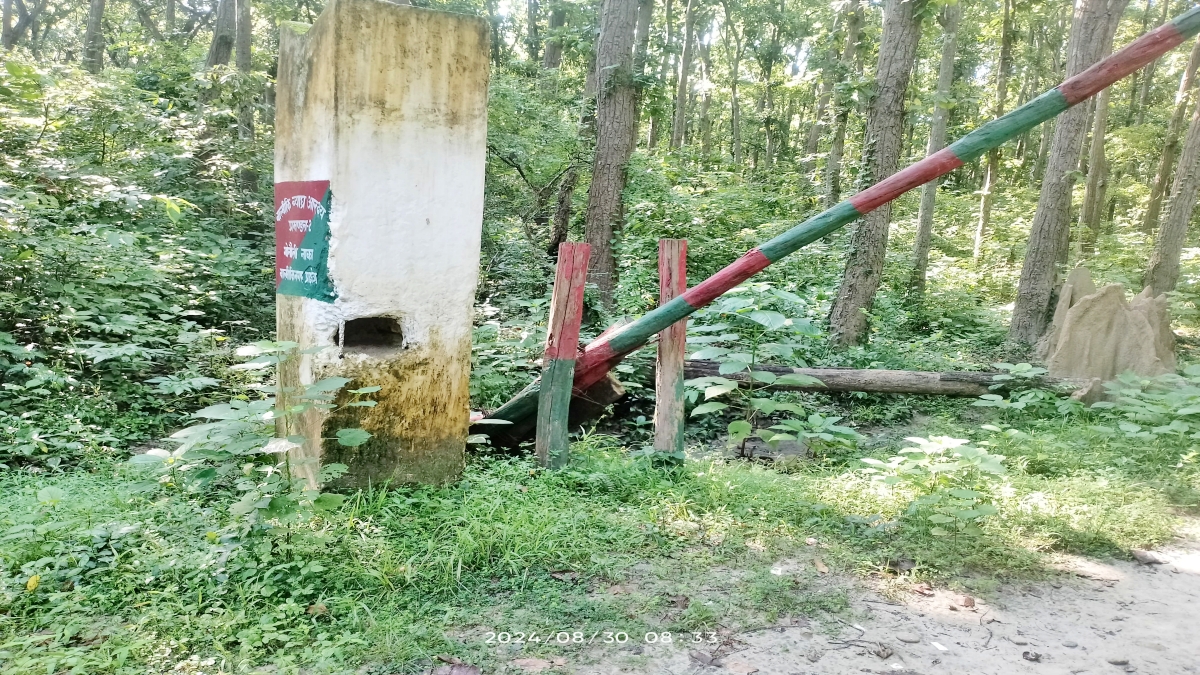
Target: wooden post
[558,364]
[672,343]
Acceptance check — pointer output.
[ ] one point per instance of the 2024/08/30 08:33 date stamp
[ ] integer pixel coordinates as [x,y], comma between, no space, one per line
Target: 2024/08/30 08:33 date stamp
[564,637]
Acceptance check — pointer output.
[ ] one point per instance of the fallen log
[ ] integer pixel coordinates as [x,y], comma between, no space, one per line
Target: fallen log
[954,383]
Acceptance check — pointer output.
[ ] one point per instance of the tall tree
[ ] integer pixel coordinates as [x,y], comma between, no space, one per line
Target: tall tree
[885,125]
[684,87]
[1097,175]
[93,41]
[552,56]
[735,48]
[533,39]
[1166,160]
[641,54]
[6,27]
[841,107]
[1148,74]
[615,115]
[220,50]
[664,67]
[1163,271]
[1092,30]
[1003,65]
[950,18]
[244,36]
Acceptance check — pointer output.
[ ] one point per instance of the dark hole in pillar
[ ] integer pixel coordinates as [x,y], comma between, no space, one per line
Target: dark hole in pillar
[372,331]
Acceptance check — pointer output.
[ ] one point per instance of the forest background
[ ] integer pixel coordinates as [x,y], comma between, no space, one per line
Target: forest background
[136,240]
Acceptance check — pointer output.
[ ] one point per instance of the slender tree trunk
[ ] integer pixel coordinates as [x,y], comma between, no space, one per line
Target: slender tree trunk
[734,47]
[1097,175]
[220,50]
[1148,74]
[950,19]
[640,56]
[615,115]
[681,94]
[169,19]
[664,67]
[1166,160]
[1163,270]
[244,35]
[993,156]
[562,210]
[6,27]
[1092,33]
[93,40]
[552,57]
[885,125]
[533,39]
[706,102]
[841,108]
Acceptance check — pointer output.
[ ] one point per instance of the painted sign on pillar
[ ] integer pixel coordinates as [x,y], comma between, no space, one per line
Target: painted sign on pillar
[302,239]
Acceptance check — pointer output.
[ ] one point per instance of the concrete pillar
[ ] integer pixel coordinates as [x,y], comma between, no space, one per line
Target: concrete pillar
[381,132]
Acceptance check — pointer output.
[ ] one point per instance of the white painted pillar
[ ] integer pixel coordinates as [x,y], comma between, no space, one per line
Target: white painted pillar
[387,106]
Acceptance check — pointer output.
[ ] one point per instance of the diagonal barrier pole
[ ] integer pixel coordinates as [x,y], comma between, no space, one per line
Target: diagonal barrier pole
[604,353]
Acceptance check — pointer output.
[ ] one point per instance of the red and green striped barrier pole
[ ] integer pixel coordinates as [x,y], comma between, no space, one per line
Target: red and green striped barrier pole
[602,354]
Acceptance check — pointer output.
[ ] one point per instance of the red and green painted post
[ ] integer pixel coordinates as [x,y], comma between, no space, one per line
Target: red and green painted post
[558,363]
[672,345]
[602,354]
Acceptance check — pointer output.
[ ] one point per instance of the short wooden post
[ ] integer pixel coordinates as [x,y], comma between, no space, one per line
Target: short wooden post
[672,344]
[558,363]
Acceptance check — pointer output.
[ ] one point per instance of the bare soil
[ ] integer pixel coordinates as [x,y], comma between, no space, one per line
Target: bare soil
[1096,617]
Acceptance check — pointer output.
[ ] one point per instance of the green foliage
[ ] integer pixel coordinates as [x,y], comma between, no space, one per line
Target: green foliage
[951,481]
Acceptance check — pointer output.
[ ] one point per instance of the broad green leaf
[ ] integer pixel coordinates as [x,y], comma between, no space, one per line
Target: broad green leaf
[730,367]
[764,376]
[705,408]
[768,319]
[352,437]
[719,390]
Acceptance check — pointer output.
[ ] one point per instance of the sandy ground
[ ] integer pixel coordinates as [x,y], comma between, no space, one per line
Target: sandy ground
[1102,617]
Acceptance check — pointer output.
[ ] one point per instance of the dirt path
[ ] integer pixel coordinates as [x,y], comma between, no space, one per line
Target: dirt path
[1104,617]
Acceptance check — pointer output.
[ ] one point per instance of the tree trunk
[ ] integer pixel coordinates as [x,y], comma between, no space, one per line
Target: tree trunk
[706,103]
[1163,271]
[93,40]
[562,211]
[885,124]
[615,115]
[733,47]
[533,40]
[681,93]
[1097,175]
[552,57]
[169,18]
[1148,75]
[1166,160]
[244,34]
[224,28]
[6,27]
[664,67]
[841,109]
[993,156]
[640,56]
[1092,33]
[950,19]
